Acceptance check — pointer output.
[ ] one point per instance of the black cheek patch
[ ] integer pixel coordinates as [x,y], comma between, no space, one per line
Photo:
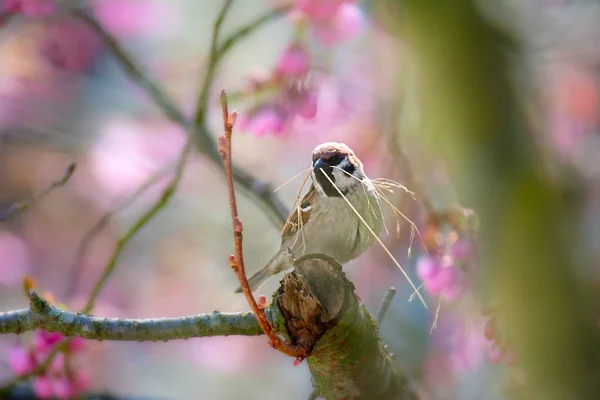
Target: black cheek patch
[349,168]
[326,185]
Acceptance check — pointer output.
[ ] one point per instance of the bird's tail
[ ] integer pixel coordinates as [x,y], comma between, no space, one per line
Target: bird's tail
[282,260]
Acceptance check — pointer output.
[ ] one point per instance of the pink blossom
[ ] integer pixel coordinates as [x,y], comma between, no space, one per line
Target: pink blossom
[266,120]
[80,381]
[62,388]
[76,344]
[58,363]
[294,62]
[444,278]
[128,152]
[345,25]
[453,292]
[44,341]
[21,361]
[14,259]
[458,343]
[71,45]
[299,100]
[31,8]
[42,387]
[495,353]
[319,9]
[574,116]
[461,250]
[307,107]
[12,6]
[127,18]
[490,331]
[468,348]
[427,267]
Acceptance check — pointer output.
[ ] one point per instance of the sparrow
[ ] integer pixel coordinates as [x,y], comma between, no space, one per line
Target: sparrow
[324,222]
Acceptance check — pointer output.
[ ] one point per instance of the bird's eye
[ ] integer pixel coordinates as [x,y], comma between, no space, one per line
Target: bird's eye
[336,159]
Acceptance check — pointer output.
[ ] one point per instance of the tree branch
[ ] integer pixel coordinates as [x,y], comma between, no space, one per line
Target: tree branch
[315,307]
[385,304]
[260,192]
[43,315]
[132,69]
[170,109]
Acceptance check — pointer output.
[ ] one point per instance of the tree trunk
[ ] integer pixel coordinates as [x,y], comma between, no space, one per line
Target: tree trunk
[348,359]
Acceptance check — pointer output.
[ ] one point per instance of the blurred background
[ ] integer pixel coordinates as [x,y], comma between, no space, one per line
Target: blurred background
[489,113]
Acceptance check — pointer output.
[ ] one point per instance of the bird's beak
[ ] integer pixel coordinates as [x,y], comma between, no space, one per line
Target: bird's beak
[319,164]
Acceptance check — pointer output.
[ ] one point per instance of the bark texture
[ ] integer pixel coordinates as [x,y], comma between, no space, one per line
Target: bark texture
[348,359]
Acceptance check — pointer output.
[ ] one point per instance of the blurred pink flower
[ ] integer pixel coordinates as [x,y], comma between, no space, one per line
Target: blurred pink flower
[307,108]
[58,363]
[76,344]
[461,250]
[494,353]
[14,259]
[128,152]
[459,342]
[69,44]
[44,341]
[31,8]
[20,360]
[127,18]
[294,62]
[576,101]
[468,350]
[60,380]
[347,23]
[62,388]
[266,120]
[427,267]
[452,292]
[276,115]
[80,381]
[42,387]
[437,279]
[319,9]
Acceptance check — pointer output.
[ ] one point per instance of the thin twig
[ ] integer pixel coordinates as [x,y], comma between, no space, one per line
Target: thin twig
[385,304]
[251,27]
[237,261]
[140,223]
[86,240]
[24,204]
[437,315]
[260,192]
[110,266]
[213,60]
[156,93]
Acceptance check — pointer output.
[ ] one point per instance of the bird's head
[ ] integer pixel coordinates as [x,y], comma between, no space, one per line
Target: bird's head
[341,165]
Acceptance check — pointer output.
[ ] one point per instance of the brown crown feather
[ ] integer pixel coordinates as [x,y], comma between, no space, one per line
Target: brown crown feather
[329,149]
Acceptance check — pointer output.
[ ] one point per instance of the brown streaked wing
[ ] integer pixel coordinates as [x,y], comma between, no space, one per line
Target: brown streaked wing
[291,225]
